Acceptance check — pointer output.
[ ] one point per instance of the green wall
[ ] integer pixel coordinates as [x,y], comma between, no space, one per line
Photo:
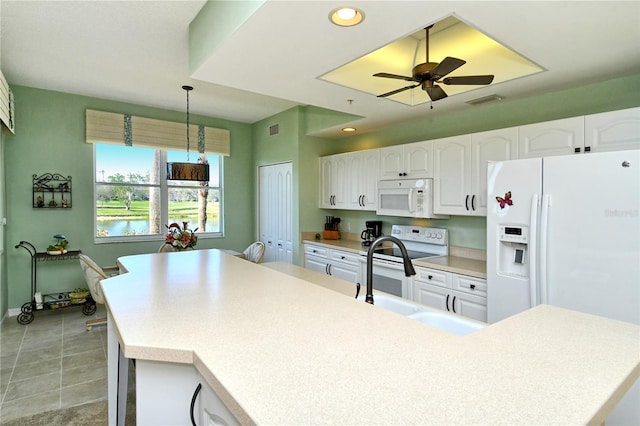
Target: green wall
[50,137]
[470,232]
[50,134]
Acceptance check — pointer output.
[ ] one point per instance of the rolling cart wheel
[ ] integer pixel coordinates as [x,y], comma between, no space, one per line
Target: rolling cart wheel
[89,308]
[27,308]
[25,318]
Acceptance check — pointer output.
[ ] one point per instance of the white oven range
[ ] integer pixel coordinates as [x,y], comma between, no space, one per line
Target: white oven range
[421,242]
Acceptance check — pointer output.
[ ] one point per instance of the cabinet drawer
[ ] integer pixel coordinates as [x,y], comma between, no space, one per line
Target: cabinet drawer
[431,276]
[345,257]
[470,285]
[316,251]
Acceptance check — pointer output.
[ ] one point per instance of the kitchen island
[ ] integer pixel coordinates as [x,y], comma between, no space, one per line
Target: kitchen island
[277,349]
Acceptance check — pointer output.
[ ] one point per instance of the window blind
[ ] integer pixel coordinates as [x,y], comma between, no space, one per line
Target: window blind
[121,129]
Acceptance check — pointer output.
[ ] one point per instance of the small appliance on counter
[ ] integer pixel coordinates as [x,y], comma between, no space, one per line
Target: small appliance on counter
[331,228]
[373,231]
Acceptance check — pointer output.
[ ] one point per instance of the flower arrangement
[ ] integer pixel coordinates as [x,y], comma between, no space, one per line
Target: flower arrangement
[181,238]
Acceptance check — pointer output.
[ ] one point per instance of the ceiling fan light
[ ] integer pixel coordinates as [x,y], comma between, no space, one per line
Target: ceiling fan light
[349,129]
[346,16]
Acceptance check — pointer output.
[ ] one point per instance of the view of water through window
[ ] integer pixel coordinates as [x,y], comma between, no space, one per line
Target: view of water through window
[129,193]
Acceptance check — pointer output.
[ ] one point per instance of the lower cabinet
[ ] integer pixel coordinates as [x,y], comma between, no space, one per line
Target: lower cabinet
[337,263]
[458,294]
[176,394]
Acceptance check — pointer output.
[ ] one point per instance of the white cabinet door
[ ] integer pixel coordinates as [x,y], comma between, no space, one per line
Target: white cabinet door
[163,392]
[391,162]
[558,137]
[469,305]
[452,175]
[213,412]
[613,131]
[315,264]
[362,178]
[354,189]
[333,182]
[369,179]
[345,272]
[339,181]
[431,295]
[409,161]
[494,145]
[418,160]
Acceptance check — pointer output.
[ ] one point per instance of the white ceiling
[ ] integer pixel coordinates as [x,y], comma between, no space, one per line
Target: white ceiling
[137,51]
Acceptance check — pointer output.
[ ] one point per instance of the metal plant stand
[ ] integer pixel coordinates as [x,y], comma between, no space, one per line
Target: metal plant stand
[53,300]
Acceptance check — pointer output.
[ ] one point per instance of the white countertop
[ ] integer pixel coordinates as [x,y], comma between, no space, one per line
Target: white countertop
[456,264]
[280,350]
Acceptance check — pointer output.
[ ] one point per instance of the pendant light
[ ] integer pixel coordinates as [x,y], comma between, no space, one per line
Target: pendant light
[188,171]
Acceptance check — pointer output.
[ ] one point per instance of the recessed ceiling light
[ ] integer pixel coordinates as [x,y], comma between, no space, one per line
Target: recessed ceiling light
[349,129]
[346,16]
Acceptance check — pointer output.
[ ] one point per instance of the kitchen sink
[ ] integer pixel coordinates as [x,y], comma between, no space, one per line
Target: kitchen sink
[394,304]
[447,322]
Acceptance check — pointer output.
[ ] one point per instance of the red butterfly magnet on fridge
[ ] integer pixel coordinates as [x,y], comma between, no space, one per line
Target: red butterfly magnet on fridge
[506,201]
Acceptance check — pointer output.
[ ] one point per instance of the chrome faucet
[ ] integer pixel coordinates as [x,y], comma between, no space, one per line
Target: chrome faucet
[408,266]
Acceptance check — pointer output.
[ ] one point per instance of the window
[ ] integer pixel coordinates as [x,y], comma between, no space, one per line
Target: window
[134,201]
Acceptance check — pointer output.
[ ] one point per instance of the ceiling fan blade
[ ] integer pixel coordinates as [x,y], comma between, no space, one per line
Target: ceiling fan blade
[396,76]
[393,92]
[469,79]
[447,65]
[436,93]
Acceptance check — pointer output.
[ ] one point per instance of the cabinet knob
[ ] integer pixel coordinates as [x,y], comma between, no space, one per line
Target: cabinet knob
[472,286]
[430,277]
[342,257]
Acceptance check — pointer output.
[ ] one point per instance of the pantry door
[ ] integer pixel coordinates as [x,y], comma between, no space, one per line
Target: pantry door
[276,211]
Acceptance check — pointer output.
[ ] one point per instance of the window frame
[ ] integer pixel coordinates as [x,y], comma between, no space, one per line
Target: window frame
[164,187]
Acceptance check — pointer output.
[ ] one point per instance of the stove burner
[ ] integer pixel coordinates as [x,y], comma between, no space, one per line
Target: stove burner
[395,252]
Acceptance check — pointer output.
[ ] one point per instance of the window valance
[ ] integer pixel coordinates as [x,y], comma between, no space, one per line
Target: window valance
[124,129]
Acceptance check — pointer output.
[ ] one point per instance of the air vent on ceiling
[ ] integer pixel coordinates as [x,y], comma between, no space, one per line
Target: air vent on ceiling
[274,129]
[485,99]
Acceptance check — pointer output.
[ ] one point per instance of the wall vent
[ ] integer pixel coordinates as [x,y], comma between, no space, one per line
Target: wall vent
[274,129]
[485,99]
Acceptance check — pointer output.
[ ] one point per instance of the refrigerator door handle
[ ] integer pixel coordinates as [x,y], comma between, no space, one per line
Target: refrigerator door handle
[533,251]
[544,226]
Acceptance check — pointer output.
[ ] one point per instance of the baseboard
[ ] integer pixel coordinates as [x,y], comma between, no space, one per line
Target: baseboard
[13,312]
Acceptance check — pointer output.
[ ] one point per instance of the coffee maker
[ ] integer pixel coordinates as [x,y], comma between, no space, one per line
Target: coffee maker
[373,231]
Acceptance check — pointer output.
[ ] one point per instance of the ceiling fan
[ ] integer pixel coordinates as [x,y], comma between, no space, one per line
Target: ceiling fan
[429,73]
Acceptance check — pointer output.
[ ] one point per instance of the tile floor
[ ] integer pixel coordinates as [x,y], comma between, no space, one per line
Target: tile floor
[52,363]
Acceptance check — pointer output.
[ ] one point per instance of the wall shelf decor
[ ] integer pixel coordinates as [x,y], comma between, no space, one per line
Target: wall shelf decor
[51,191]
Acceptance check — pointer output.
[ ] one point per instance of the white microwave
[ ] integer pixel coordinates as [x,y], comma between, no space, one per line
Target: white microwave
[407,198]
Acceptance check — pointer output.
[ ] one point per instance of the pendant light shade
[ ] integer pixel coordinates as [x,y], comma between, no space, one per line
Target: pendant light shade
[188,171]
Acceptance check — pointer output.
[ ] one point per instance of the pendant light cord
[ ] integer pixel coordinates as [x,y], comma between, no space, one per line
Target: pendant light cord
[187,89]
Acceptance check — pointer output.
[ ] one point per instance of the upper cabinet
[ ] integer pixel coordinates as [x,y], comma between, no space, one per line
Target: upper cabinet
[458,164]
[7,107]
[460,169]
[362,171]
[558,137]
[494,145]
[333,182]
[613,131]
[609,131]
[410,161]
[349,181]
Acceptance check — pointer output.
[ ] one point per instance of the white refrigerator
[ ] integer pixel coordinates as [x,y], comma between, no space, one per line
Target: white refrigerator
[565,231]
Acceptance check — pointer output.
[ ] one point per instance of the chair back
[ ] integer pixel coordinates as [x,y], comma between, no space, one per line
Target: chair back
[255,252]
[93,274]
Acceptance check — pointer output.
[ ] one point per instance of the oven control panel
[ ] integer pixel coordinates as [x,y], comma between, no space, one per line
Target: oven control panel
[421,234]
